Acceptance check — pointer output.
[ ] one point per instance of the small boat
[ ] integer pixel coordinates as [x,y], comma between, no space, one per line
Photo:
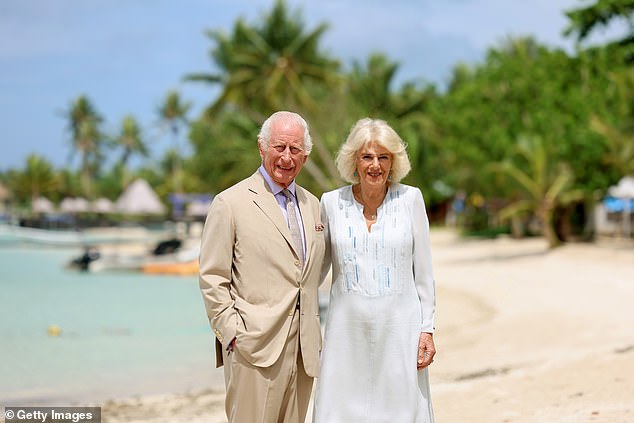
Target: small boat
[10,233]
[94,259]
[183,262]
[167,257]
[13,233]
[171,268]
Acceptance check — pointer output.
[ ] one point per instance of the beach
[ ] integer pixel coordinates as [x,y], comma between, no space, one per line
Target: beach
[524,334]
[531,335]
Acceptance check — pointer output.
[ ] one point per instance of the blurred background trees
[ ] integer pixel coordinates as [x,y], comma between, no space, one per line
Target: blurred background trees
[532,136]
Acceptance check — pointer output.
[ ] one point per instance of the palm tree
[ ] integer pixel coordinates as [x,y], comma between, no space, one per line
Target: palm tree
[586,19]
[370,84]
[173,113]
[269,66]
[543,185]
[620,144]
[619,138]
[86,137]
[37,178]
[372,92]
[221,154]
[130,139]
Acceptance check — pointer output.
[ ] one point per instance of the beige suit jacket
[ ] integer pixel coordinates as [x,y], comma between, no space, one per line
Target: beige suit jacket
[250,275]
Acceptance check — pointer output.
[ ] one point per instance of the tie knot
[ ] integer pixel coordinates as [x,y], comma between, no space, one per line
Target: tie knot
[287,194]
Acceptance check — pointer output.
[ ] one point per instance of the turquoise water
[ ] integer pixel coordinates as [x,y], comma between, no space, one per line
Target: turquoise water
[122,333]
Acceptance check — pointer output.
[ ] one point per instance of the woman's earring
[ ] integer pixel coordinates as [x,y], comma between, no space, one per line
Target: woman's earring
[355,174]
[389,176]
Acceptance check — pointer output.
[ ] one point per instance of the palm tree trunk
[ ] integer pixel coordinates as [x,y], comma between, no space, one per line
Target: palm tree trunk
[546,220]
[321,179]
[176,164]
[86,182]
[517,227]
[327,160]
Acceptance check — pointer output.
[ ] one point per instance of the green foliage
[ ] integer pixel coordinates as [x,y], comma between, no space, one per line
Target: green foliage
[173,114]
[370,85]
[274,64]
[524,88]
[112,183]
[130,140]
[35,180]
[586,19]
[84,126]
[600,14]
[617,128]
[173,111]
[552,125]
[541,183]
[226,151]
[69,185]
[271,65]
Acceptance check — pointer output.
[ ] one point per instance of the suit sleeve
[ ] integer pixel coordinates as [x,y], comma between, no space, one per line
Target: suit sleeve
[423,274]
[216,259]
[325,268]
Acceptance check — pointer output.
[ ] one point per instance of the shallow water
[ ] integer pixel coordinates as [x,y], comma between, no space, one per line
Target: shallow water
[122,334]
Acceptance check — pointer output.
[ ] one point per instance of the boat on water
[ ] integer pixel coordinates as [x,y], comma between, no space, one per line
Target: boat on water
[18,234]
[183,262]
[186,268]
[10,233]
[169,256]
[96,261]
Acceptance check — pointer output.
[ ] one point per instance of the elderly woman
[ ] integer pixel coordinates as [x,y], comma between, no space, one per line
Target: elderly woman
[378,337]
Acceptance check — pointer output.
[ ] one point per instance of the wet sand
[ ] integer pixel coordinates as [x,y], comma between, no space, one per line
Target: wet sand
[524,335]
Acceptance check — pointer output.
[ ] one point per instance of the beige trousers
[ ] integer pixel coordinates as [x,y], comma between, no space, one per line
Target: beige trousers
[276,394]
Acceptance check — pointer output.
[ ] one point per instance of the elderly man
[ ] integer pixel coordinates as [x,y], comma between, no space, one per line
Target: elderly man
[260,263]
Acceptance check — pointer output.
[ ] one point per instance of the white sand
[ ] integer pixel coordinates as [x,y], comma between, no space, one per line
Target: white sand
[524,335]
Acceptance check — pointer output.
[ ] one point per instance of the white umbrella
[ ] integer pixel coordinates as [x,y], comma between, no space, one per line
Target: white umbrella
[67,204]
[82,205]
[74,205]
[42,205]
[103,205]
[198,208]
[139,198]
[624,189]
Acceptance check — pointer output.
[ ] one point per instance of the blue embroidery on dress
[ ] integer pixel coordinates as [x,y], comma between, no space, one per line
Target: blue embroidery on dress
[370,259]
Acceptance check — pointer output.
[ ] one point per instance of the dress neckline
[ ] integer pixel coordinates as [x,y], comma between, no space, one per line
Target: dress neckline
[360,206]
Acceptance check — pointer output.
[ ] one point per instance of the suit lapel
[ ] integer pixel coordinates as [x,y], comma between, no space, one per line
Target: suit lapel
[265,200]
[308,221]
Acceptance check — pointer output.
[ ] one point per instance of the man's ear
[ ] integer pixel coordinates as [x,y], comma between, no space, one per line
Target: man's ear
[260,148]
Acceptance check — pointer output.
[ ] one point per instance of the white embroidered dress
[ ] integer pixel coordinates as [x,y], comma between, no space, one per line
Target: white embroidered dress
[382,298]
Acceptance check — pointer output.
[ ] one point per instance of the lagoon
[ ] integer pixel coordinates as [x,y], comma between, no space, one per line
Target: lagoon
[122,334]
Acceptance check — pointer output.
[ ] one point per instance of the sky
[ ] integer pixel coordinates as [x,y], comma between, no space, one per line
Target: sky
[126,54]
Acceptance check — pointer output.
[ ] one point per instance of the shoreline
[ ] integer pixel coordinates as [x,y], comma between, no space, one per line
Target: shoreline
[525,334]
[529,334]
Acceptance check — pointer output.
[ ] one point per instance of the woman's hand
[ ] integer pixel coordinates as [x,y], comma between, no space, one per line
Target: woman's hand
[426,350]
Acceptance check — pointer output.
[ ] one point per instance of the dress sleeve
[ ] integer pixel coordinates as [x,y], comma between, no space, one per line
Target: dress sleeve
[324,220]
[423,273]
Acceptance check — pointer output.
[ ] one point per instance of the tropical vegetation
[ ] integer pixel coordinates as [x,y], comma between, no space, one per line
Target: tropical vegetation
[534,135]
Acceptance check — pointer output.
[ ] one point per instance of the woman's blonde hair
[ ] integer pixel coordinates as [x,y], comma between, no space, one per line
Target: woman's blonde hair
[367,130]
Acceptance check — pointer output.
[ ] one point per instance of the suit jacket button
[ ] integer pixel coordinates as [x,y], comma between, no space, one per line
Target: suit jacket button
[297,263]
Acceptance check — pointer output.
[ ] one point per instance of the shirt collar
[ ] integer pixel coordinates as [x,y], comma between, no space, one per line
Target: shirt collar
[275,188]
